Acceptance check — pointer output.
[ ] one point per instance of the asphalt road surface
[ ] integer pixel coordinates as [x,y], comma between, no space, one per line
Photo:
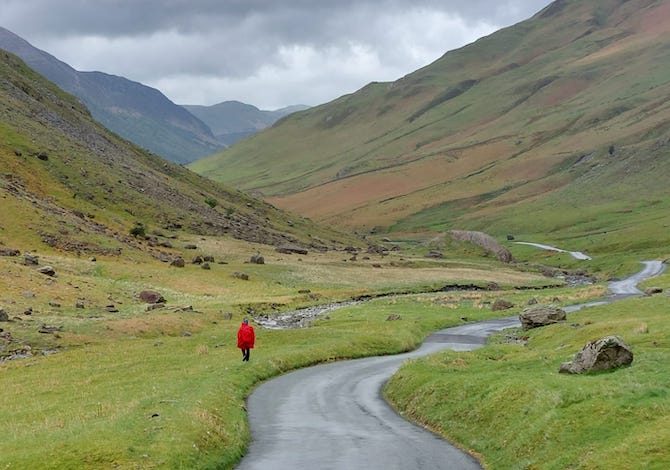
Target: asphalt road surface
[332,416]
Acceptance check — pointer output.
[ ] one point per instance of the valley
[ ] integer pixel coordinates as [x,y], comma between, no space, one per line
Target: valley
[419,242]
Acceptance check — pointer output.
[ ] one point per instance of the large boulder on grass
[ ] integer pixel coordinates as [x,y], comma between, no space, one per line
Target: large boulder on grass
[541,315]
[603,354]
[151,297]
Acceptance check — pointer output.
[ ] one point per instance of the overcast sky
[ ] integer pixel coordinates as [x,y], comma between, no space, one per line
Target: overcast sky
[270,53]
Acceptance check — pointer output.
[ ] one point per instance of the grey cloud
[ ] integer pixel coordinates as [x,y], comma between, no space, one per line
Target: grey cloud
[190,43]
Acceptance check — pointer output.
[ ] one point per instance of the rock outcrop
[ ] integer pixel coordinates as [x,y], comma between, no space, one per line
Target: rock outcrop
[541,315]
[487,242]
[290,249]
[603,354]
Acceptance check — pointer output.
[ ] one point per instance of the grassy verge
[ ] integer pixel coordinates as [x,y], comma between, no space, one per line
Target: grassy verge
[166,389]
[508,403]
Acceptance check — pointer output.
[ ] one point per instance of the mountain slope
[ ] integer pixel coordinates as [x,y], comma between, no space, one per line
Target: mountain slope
[232,121]
[69,183]
[137,112]
[565,114]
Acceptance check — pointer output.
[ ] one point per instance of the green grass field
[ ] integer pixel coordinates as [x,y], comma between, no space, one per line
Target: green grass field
[508,404]
[90,403]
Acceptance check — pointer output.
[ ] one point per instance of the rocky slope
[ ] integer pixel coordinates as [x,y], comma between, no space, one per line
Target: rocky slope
[69,183]
[135,111]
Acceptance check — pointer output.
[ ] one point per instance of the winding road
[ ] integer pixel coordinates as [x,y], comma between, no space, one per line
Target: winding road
[332,416]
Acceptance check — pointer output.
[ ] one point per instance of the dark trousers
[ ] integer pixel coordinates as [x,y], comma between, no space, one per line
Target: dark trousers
[245,354]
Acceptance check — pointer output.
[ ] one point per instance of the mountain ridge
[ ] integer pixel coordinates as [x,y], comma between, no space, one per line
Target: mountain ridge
[231,121]
[516,119]
[135,111]
[69,183]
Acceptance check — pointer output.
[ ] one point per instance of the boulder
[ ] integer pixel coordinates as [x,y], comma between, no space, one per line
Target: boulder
[603,354]
[49,329]
[190,247]
[257,259]
[197,260]
[178,262]
[47,271]
[206,266]
[243,276]
[434,254]
[30,260]
[208,259]
[653,290]
[501,304]
[532,301]
[541,315]
[80,304]
[151,297]
[290,249]
[9,252]
[3,315]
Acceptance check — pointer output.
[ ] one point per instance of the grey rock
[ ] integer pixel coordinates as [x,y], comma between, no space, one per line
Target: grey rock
[197,260]
[208,259]
[178,262]
[151,297]
[3,315]
[9,252]
[653,290]
[206,266]
[47,271]
[501,304]
[532,301]
[31,260]
[603,354]
[541,315]
[48,329]
[80,304]
[239,275]
[155,306]
[434,254]
[257,259]
[190,247]
[290,249]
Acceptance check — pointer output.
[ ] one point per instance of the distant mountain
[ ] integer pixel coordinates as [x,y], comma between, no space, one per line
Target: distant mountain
[558,124]
[232,121]
[137,112]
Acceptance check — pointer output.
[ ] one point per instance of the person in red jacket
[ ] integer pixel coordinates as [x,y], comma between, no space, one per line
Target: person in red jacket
[246,339]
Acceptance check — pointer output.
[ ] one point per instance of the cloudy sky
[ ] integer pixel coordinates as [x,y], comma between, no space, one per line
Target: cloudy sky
[270,53]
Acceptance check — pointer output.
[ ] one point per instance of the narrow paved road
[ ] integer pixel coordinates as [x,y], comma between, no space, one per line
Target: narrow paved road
[333,416]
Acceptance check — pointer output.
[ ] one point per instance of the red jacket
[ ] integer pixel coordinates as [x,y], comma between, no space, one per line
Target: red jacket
[246,337]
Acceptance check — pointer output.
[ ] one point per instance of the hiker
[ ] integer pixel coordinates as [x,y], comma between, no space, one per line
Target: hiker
[245,339]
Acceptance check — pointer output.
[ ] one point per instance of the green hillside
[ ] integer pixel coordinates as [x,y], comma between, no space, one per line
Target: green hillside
[563,116]
[70,183]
